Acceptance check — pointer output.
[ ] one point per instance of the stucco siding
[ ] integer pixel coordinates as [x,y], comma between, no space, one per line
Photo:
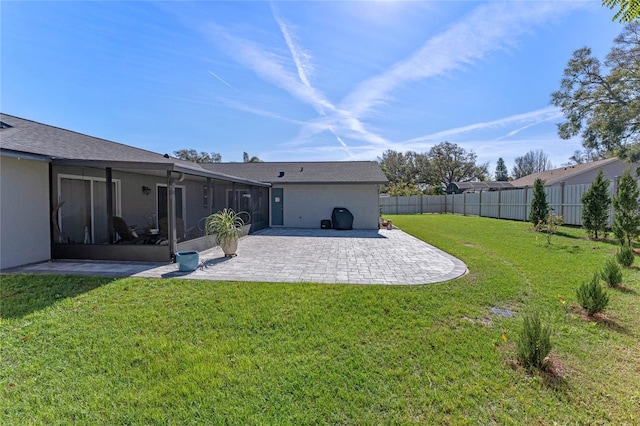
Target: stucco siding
[306,205]
[24,212]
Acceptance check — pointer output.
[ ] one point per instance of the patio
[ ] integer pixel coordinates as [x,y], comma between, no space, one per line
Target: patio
[389,257]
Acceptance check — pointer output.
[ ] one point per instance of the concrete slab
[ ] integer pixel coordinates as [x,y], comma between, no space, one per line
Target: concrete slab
[387,257]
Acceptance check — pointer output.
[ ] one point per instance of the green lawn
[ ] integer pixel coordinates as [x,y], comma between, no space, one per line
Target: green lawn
[168,351]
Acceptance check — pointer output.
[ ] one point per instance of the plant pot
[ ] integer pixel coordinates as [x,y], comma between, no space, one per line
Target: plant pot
[229,248]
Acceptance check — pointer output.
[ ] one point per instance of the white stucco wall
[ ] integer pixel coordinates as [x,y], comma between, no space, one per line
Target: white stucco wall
[24,212]
[306,205]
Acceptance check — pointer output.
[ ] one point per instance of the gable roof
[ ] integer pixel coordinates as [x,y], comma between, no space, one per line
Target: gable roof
[65,147]
[554,176]
[305,172]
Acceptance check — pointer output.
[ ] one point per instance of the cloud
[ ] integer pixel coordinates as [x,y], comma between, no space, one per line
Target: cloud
[486,29]
[532,118]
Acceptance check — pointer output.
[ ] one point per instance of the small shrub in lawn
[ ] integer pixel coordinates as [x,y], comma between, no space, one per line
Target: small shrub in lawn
[625,256]
[591,296]
[533,344]
[612,273]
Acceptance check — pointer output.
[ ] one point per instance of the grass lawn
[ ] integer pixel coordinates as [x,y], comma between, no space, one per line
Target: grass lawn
[169,351]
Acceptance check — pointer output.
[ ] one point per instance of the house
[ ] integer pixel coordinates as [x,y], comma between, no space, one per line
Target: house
[472,187]
[62,195]
[578,174]
[60,191]
[305,193]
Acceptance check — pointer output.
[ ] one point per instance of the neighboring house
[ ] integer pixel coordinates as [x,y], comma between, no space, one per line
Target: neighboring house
[305,193]
[472,187]
[60,190]
[578,174]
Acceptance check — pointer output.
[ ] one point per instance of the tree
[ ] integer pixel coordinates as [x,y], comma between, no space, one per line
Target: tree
[604,109]
[532,162]
[629,9]
[450,163]
[407,173]
[202,157]
[398,167]
[626,207]
[585,156]
[595,206]
[247,159]
[539,205]
[502,173]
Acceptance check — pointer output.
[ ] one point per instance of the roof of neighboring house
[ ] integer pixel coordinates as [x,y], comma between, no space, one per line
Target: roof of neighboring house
[305,172]
[479,186]
[554,176]
[71,148]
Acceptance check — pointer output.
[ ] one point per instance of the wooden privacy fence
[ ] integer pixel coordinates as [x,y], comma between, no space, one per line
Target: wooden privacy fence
[514,204]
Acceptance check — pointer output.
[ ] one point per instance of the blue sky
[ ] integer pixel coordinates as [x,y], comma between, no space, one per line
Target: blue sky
[300,81]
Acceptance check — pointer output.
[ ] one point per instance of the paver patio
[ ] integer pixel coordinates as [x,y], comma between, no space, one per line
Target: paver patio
[298,255]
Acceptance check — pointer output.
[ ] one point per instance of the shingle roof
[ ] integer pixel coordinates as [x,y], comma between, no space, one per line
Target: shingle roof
[305,172]
[66,147]
[554,176]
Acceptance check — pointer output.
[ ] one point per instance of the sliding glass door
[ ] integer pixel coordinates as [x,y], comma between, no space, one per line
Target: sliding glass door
[83,216]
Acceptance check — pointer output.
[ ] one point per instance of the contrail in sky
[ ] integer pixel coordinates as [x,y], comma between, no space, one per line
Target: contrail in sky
[219,78]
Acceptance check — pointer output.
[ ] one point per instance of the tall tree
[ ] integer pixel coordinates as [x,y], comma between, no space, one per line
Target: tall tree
[398,167]
[629,9]
[595,206]
[604,109]
[534,161]
[451,163]
[407,173]
[193,155]
[626,206]
[502,173]
[585,156]
[247,159]
[539,205]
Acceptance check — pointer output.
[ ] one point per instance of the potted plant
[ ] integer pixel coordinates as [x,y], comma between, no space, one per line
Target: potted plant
[227,228]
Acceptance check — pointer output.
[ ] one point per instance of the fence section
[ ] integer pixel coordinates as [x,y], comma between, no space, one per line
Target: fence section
[514,204]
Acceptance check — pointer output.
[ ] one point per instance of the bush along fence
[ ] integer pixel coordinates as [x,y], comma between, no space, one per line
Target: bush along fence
[513,204]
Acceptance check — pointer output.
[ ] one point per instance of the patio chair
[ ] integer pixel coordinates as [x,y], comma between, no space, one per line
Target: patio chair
[163,224]
[125,232]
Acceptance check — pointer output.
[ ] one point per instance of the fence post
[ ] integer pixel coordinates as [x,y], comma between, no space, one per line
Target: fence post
[464,203]
[562,198]
[397,204]
[421,207]
[524,204]
[499,203]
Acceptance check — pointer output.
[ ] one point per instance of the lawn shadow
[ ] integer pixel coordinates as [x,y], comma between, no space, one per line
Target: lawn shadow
[627,290]
[23,294]
[553,377]
[605,320]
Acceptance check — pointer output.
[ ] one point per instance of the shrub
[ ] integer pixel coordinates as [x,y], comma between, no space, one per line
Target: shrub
[533,344]
[626,206]
[625,256]
[539,206]
[591,296]
[612,273]
[595,206]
